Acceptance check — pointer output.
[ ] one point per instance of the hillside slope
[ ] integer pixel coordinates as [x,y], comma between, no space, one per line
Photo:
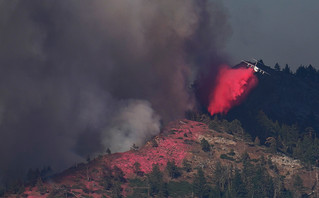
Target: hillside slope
[181,142]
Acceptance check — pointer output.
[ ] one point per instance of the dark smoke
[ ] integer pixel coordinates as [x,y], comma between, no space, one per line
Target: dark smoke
[77,77]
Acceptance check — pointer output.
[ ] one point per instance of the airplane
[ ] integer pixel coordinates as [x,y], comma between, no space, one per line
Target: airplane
[254,66]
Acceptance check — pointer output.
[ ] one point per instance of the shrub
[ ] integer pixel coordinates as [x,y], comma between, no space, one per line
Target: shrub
[108,151]
[205,145]
[179,189]
[154,143]
[231,153]
[173,170]
[187,166]
[224,156]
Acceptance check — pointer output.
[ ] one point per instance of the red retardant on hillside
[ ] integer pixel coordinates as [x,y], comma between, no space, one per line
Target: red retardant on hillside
[171,146]
[232,86]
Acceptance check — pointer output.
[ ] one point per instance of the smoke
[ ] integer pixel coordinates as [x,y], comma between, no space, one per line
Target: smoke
[232,86]
[135,122]
[77,77]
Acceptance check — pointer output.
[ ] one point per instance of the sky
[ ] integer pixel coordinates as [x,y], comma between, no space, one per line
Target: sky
[283,31]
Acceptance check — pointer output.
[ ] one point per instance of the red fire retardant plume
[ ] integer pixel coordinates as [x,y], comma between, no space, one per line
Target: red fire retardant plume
[232,86]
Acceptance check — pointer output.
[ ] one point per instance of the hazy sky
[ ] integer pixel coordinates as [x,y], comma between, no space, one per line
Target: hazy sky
[284,31]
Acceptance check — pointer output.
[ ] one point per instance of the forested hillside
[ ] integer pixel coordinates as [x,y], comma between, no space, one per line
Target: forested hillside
[283,111]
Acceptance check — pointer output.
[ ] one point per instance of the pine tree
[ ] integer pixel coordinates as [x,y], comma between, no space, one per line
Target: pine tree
[41,188]
[277,67]
[134,147]
[172,169]
[136,167]
[298,183]
[301,72]
[220,176]
[238,187]
[272,142]
[108,151]
[199,184]
[116,190]
[248,172]
[235,127]
[287,69]
[107,177]
[118,174]
[32,176]
[155,179]
[257,141]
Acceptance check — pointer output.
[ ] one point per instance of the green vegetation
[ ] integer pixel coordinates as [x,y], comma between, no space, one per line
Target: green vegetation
[108,151]
[298,184]
[154,143]
[156,183]
[136,167]
[2,191]
[199,184]
[225,156]
[231,153]
[289,140]
[238,186]
[187,166]
[205,145]
[140,188]
[282,112]
[173,170]
[179,189]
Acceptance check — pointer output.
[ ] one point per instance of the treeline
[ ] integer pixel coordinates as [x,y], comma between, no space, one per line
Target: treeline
[287,96]
[252,181]
[282,112]
[227,182]
[302,144]
[34,177]
[303,72]
[289,139]
[161,183]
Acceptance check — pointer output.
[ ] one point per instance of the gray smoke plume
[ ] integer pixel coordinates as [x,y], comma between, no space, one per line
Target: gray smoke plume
[77,77]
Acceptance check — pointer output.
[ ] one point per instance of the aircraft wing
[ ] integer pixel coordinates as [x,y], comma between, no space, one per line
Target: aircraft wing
[255,68]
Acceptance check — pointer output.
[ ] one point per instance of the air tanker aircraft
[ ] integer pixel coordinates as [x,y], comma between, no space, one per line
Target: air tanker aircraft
[254,66]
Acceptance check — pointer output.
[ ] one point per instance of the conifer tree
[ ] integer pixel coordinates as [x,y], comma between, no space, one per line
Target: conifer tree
[205,145]
[199,183]
[298,183]
[277,67]
[287,69]
[108,151]
[136,167]
[187,166]
[116,189]
[118,174]
[238,187]
[172,169]
[257,141]
[155,179]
